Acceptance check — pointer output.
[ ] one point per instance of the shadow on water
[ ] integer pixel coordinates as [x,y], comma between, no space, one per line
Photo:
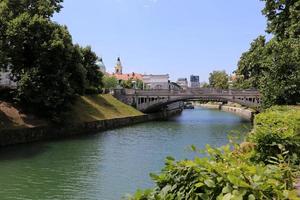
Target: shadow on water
[23,151]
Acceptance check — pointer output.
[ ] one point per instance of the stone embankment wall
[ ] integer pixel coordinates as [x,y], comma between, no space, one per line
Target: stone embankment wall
[27,135]
[240,111]
[210,106]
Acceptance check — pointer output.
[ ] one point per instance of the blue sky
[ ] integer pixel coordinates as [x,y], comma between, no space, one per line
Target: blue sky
[178,37]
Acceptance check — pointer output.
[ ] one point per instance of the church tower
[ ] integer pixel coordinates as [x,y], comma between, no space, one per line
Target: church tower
[118,67]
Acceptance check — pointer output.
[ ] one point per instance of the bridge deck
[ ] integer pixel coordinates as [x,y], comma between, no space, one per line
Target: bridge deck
[152,99]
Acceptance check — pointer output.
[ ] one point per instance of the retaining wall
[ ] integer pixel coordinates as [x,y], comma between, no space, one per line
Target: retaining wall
[27,135]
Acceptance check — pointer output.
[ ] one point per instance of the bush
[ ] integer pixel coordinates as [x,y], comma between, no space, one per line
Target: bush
[275,131]
[262,168]
[225,174]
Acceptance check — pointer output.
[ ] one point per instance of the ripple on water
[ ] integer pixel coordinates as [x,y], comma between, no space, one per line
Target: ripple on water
[109,165]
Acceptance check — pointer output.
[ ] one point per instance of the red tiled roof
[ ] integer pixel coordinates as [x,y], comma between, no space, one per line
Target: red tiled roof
[125,77]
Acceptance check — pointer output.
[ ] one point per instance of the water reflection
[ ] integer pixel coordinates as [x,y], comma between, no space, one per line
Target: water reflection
[108,165]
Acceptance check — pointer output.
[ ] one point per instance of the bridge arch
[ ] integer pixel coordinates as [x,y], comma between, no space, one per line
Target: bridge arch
[153,100]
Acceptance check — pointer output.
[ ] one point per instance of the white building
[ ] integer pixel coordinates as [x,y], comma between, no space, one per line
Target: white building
[156,82]
[183,83]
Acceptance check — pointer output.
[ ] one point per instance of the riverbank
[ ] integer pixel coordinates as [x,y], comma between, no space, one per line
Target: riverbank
[241,111]
[265,166]
[85,109]
[90,114]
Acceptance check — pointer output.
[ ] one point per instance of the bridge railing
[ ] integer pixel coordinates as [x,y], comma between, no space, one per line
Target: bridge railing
[165,92]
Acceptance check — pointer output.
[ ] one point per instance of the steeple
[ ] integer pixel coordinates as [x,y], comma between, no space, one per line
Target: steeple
[118,67]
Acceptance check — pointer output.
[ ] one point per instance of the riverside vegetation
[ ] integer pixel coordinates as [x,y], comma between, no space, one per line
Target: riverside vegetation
[265,166]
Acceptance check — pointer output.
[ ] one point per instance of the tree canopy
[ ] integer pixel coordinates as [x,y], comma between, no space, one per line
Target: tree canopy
[274,66]
[283,17]
[48,68]
[218,80]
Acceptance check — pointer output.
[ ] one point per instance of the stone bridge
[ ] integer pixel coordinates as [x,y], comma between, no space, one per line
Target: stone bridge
[154,100]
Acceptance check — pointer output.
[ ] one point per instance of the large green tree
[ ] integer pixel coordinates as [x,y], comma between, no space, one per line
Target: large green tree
[273,67]
[280,83]
[48,68]
[218,80]
[250,65]
[93,74]
[283,17]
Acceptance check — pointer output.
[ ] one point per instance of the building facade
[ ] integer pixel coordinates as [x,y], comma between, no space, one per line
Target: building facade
[183,83]
[118,67]
[118,73]
[156,82]
[195,81]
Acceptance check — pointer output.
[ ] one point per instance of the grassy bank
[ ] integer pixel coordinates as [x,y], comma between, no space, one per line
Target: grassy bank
[99,107]
[265,166]
[85,109]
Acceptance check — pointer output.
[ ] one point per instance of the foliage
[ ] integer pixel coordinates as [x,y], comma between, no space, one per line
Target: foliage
[205,85]
[218,79]
[275,131]
[44,63]
[264,168]
[49,69]
[273,67]
[225,174]
[250,66]
[280,83]
[283,18]
[110,82]
[132,83]
[93,74]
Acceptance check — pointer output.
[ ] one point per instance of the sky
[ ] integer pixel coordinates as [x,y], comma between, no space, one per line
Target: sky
[175,37]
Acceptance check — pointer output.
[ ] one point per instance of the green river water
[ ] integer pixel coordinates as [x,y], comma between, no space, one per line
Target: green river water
[108,165]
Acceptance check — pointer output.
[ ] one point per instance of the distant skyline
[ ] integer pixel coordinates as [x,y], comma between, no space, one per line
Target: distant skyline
[178,37]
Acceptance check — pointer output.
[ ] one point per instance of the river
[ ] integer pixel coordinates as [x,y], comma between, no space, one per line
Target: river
[108,165]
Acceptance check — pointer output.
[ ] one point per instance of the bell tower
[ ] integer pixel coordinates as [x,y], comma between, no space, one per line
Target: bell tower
[118,67]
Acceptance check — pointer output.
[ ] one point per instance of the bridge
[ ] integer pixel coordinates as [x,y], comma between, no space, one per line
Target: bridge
[154,100]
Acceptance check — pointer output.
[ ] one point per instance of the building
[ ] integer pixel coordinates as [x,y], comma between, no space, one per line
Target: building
[118,73]
[183,83]
[174,86]
[118,67]
[101,65]
[156,82]
[195,81]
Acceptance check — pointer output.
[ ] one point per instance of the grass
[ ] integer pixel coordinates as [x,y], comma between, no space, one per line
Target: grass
[86,109]
[99,107]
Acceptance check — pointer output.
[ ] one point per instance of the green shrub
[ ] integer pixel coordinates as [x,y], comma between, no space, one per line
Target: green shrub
[277,130]
[224,174]
[265,167]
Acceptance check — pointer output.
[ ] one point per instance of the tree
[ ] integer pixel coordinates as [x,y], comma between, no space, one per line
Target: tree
[283,18]
[132,83]
[49,69]
[93,75]
[110,82]
[250,65]
[218,80]
[205,85]
[281,82]
[45,64]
